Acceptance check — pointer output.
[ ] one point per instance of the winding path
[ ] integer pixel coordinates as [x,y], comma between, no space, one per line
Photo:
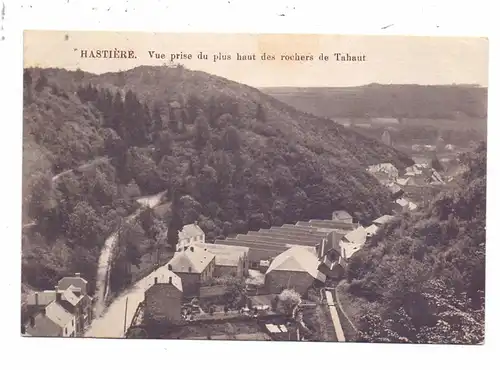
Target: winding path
[81,167]
[103,268]
[108,323]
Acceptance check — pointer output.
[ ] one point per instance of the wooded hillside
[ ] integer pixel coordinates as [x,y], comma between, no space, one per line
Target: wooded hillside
[423,278]
[240,159]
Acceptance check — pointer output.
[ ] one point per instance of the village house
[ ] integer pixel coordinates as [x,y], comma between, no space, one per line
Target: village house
[190,234]
[229,260]
[352,242]
[382,220]
[296,268]
[163,298]
[52,321]
[71,295]
[194,266]
[377,224]
[342,216]
[404,205]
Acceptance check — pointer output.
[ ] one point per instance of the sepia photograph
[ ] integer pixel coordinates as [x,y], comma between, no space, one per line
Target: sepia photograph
[254,187]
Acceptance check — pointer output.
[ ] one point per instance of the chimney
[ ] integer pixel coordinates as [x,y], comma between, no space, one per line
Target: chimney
[170,279]
[77,274]
[169,266]
[192,249]
[156,280]
[36,298]
[58,294]
[196,222]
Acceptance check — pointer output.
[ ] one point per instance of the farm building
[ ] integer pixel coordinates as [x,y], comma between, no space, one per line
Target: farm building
[295,268]
[194,266]
[229,260]
[163,298]
[266,244]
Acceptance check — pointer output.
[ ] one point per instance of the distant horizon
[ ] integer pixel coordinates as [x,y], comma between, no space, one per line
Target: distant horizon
[275,60]
[474,85]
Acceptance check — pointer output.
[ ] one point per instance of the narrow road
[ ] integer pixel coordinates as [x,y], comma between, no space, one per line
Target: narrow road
[82,167]
[151,200]
[60,174]
[335,317]
[111,323]
[102,280]
[103,266]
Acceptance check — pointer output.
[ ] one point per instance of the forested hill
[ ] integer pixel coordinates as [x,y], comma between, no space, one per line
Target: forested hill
[423,278]
[243,159]
[376,100]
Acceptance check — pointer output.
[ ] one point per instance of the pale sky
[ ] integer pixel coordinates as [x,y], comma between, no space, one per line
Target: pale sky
[388,59]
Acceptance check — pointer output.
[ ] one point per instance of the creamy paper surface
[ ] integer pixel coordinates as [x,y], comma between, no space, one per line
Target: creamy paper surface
[388,59]
[254,186]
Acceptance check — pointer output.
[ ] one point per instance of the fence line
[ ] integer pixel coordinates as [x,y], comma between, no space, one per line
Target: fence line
[337,300]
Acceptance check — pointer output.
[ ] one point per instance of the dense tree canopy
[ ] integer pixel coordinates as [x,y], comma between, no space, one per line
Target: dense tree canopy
[238,159]
[425,274]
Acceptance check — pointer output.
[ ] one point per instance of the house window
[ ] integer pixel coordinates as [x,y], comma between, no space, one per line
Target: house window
[65,331]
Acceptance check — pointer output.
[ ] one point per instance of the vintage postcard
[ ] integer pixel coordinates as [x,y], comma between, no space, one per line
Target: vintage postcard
[254,187]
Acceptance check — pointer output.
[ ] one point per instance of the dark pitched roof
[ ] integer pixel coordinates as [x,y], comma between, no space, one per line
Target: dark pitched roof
[44,327]
[76,281]
[67,306]
[258,250]
[332,224]
[278,239]
[41,298]
[165,290]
